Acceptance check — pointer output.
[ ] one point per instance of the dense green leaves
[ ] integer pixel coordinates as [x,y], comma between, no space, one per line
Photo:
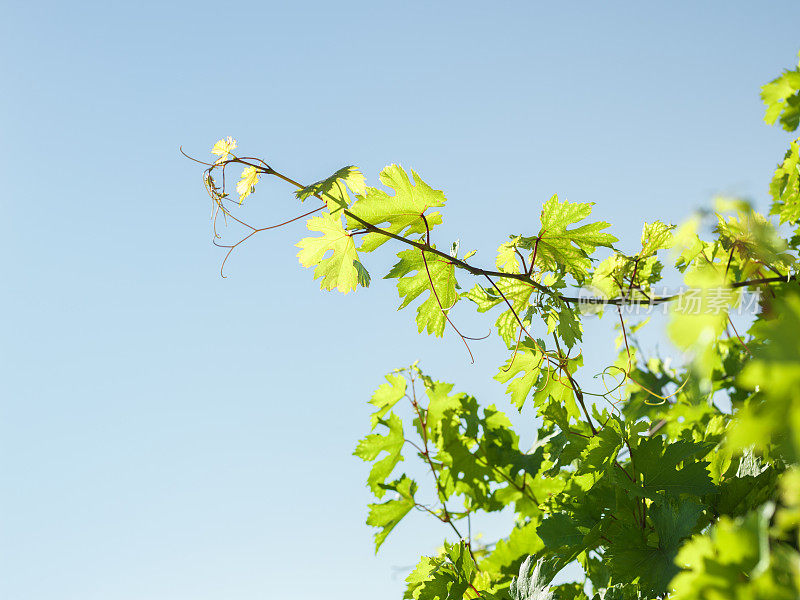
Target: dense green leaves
[653,562]
[445,577]
[736,555]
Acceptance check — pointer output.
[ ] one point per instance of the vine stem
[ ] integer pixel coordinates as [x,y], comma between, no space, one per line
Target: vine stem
[624,300]
[474,589]
[254,231]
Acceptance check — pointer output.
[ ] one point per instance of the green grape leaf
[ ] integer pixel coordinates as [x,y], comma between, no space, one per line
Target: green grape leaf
[687,247]
[485,299]
[460,558]
[511,551]
[557,247]
[527,361]
[390,513]
[674,521]
[445,577]
[563,319]
[339,271]
[501,446]
[609,274]
[570,591]
[518,294]
[440,402]
[373,444]
[506,260]
[782,97]
[564,450]
[672,468]
[785,186]
[421,577]
[530,584]
[735,555]
[401,214]
[602,449]
[565,536]
[748,236]
[386,396]
[655,236]
[434,579]
[435,275]
[772,417]
[333,190]
[559,530]
[631,558]
[363,275]
[634,274]
[554,395]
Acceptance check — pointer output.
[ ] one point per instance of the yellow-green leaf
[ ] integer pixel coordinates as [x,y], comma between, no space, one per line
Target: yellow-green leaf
[338,271]
[223,149]
[247,183]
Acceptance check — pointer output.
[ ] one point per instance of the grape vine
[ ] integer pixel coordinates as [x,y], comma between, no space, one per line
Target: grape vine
[648,485]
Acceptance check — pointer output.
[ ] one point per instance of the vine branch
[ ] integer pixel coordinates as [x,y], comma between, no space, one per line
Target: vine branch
[264,169]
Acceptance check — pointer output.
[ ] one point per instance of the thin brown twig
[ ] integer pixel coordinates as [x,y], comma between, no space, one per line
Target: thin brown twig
[441,308]
[575,387]
[445,518]
[741,341]
[522,258]
[254,231]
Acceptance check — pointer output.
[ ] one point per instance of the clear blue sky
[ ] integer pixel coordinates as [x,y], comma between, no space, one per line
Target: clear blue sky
[169,435]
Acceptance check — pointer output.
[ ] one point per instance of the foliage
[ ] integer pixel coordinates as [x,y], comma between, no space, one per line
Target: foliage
[652,486]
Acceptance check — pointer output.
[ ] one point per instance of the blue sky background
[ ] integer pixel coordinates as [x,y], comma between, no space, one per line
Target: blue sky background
[167,434]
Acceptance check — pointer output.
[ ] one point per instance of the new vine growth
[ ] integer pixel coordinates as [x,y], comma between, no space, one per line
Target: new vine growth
[674,481]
